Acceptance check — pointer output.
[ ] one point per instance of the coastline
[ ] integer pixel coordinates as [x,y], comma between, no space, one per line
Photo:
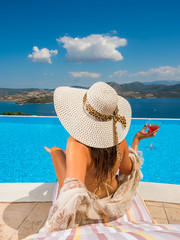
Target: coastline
[16,102]
[34,103]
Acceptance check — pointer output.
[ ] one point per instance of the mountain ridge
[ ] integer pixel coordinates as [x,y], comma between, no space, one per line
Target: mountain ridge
[127,90]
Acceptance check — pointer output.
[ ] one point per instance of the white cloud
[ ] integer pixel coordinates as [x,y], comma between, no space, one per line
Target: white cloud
[85,74]
[95,47]
[119,73]
[164,72]
[42,55]
[152,74]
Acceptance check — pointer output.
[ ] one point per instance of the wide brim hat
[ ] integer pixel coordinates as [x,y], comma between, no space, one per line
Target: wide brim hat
[70,108]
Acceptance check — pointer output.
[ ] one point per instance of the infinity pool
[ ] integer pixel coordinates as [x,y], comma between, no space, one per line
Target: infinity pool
[23,158]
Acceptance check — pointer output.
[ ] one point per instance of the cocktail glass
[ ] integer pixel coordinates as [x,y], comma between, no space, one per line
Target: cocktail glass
[152,126]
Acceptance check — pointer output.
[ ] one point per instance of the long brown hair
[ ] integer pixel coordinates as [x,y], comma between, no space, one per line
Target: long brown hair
[104,160]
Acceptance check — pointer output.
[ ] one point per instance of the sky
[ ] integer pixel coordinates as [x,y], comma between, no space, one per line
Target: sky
[46,44]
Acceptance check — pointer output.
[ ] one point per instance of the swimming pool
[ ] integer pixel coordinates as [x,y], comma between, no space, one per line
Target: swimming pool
[23,158]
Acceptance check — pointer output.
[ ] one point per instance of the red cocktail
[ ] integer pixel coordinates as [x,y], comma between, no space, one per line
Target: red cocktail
[153,127]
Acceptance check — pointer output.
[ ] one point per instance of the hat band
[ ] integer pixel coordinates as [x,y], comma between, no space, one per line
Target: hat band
[103,117]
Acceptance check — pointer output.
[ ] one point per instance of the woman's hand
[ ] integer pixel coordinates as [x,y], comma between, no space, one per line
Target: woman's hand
[142,134]
[51,150]
[47,149]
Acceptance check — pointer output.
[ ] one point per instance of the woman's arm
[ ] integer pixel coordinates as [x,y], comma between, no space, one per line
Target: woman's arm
[142,135]
[76,159]
[59,162]
[70,163]
[126,164]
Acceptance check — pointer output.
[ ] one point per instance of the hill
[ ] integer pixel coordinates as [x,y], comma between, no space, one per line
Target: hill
[25,96]
[128,90]
[140,90]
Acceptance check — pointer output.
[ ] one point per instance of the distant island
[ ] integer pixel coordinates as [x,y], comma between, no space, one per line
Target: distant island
[17,114]
[129,90]
[37,100]
[27,95]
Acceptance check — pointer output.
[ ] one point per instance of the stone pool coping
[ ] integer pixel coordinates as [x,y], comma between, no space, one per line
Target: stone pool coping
[43,192]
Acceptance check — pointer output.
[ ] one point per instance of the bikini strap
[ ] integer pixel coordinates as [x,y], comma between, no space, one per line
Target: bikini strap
[106,185]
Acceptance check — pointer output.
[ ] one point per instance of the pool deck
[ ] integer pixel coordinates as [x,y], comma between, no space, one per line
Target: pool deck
[24,207]
[19,220]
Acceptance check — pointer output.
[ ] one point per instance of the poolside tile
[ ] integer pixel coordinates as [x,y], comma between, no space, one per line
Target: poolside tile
[35,220]
[153,203]
[23,207]
[161,220]
[2,207]
[157,212]
[6,231]
[171,205]
[12,218]
[173,215]
[20,207]
[17,236]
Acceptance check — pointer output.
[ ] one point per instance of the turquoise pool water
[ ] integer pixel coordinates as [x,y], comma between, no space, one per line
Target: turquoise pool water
[23,158]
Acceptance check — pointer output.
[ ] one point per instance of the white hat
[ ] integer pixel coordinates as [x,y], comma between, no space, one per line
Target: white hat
[93,116]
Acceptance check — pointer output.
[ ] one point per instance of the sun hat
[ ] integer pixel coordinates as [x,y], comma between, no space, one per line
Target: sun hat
[97,117]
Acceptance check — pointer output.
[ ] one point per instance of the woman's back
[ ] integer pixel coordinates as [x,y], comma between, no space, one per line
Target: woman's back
[108,185]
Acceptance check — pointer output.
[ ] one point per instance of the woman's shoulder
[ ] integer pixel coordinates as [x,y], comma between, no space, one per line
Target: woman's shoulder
[72,140]
[123,146]
[75,143]
[80,148]
[122,143]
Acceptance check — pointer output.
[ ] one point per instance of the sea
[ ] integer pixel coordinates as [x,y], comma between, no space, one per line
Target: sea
[141,108]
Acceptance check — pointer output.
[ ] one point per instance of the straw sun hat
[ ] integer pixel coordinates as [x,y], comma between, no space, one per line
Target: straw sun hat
[96,117]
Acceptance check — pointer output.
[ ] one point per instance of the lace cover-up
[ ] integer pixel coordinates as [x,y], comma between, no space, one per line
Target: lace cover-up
[76,205]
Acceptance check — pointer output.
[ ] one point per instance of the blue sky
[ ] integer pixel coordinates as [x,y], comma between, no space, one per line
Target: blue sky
[46,44]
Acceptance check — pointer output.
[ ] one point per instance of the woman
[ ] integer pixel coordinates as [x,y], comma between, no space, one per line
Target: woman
[97,174]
